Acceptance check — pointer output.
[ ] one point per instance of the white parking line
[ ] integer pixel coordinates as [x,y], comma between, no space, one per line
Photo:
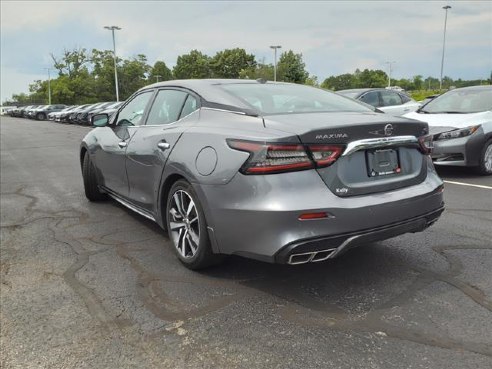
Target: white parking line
[469,184]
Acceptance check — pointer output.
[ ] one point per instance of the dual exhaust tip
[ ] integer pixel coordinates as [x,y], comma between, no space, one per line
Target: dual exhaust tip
[310,257]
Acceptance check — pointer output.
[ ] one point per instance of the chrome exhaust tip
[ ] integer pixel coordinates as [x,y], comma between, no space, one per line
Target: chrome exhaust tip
[310,257]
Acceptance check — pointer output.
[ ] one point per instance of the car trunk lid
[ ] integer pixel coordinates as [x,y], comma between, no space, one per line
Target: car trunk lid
[381,153]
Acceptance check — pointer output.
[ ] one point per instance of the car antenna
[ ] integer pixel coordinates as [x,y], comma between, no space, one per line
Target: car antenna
[261,80]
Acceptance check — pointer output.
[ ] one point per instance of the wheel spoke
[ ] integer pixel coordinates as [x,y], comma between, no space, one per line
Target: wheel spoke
[175,214]
[177,201]
[195,219]
[182,241]
[191,207]
[194,237]
[176,225]
[193,246]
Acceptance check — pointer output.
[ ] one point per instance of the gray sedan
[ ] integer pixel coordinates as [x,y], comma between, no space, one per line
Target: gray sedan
[272,171]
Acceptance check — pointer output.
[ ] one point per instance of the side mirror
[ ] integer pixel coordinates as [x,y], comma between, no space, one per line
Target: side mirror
[100,120]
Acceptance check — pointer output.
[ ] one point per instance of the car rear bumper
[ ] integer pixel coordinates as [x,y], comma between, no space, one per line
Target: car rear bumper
[258,216]
[323,248]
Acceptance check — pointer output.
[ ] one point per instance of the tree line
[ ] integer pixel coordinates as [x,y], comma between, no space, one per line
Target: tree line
[84,77]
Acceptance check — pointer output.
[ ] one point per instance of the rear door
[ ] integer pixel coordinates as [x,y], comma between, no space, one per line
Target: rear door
[149,149]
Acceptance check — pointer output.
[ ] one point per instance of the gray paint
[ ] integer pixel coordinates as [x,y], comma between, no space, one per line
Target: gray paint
[257,215]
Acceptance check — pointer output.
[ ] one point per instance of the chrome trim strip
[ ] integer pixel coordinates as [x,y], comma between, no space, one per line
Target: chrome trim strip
[224,110]
[130,206]
[379,142]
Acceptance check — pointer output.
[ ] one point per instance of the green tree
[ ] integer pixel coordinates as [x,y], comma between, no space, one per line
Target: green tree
[371,79]
[230,62]
[160,72]
[312,81]
[132,75]
[193,65]
[340,82]
[291,68]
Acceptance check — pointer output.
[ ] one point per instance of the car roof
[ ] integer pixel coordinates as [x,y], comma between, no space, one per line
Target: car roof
[208,89]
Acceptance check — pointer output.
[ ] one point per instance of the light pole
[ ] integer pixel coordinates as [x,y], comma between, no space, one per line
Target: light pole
[389,71]
[275,65]
[112,29]
[443,42]
[49,86]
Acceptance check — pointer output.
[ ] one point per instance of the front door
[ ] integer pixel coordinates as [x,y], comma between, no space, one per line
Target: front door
[110,157]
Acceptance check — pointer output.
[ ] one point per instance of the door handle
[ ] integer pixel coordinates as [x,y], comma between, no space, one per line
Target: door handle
[163,146]
[122,144]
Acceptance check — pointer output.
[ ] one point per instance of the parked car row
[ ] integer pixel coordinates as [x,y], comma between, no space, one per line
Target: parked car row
[76,114]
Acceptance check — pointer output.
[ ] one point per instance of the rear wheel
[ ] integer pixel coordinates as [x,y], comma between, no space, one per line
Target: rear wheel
[91,187]
[187,228]
[485,165]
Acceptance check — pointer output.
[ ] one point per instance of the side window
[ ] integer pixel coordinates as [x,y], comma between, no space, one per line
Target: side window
[166,107]
[189,106]
[132,113]
[390,98]
[405,98]
[371,98]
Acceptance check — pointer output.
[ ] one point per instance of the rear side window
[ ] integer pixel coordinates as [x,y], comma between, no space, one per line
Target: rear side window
[167,107]
[390,98]
[371,98]
[189,107]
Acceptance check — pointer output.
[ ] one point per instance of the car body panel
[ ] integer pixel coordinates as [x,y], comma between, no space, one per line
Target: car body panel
[258,215]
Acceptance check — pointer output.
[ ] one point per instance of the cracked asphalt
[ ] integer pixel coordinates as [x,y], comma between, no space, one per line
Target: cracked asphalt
[86,285]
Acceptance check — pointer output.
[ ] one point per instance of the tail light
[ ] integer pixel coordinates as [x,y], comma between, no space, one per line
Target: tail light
[269,158]
[426,144]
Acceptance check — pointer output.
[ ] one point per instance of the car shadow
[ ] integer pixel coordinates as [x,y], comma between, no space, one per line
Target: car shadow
[457,172]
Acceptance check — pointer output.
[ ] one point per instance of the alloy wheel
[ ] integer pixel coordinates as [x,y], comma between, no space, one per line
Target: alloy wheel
[184,224]
[488,159]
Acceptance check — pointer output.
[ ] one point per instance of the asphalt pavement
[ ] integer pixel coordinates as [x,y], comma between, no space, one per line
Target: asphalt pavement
[93,285]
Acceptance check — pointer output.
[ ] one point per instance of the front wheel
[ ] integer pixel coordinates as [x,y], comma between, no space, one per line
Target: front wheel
[485,165]
[187,228]
[40,116]
[91,187]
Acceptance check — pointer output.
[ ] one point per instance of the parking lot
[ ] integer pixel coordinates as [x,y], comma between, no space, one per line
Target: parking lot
[93,285]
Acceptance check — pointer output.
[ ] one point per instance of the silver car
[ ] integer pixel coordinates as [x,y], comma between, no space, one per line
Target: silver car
[272,171]
[461,122]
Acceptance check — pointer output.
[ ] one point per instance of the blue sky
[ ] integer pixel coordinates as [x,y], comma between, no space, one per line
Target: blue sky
[334,36]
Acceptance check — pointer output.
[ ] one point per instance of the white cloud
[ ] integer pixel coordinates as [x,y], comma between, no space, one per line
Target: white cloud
[334,36]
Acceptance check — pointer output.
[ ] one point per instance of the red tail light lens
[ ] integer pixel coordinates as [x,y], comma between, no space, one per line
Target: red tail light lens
[272,158]
[325,155]
[426,144]
[268,158]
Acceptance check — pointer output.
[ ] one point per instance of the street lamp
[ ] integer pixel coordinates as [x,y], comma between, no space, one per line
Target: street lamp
[275,65]
[389,71]
[112,29]
[443,43]
[49,86]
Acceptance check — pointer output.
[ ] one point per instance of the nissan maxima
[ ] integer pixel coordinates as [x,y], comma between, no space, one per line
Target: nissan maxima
[273,171]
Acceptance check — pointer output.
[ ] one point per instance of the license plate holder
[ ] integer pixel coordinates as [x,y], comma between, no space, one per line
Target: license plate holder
[382,162]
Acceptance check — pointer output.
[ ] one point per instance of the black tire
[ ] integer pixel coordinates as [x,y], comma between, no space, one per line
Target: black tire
[40,116]
[203,257]
[91,188]
[485,166]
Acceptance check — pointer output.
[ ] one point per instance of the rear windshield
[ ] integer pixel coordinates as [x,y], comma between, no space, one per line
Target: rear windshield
[461,101]
[271,98]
